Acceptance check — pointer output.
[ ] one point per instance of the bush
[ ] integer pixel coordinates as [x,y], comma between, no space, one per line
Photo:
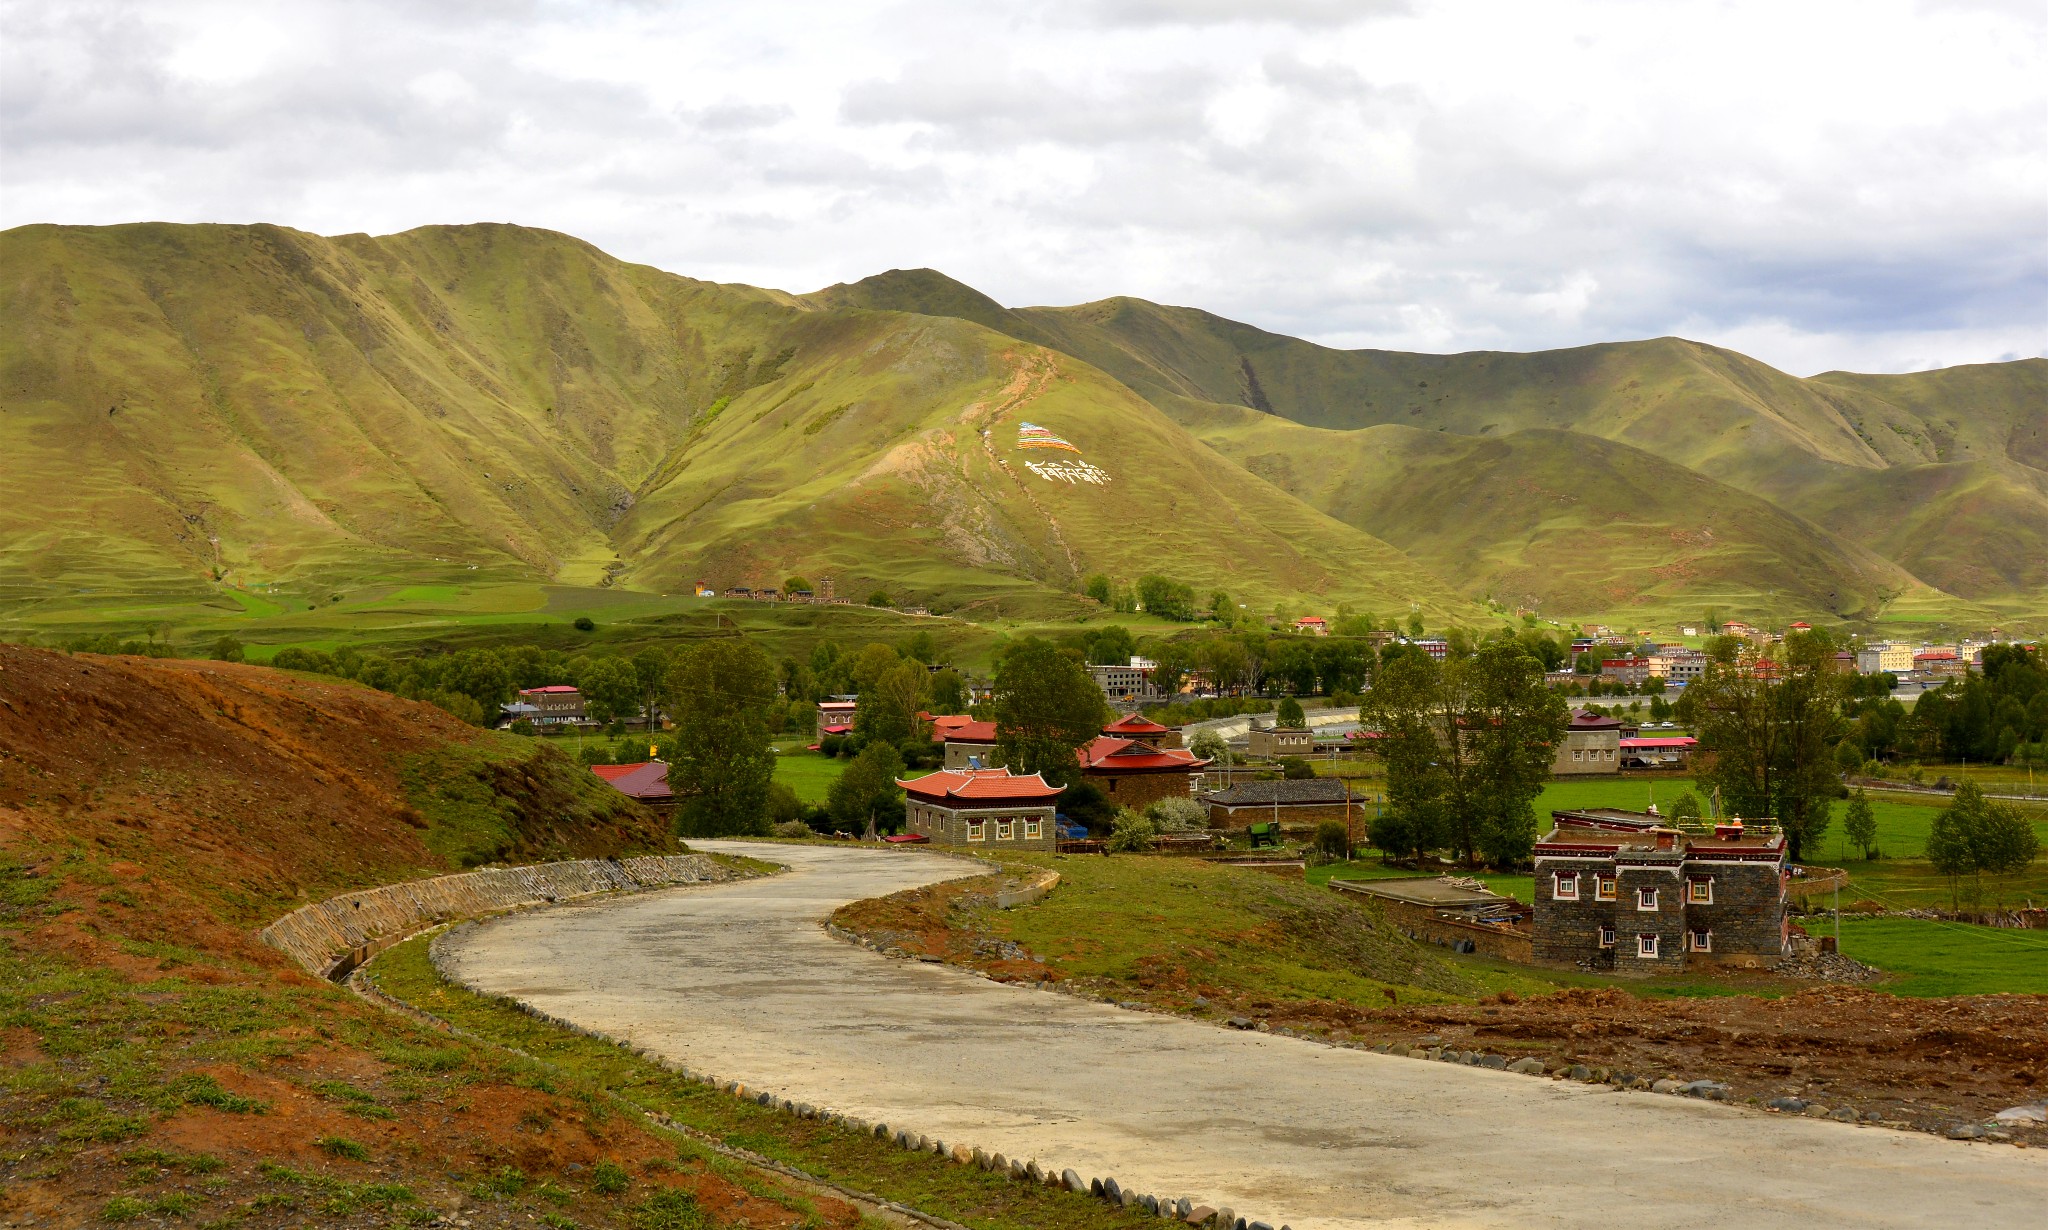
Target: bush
[1333,841]
[585,624]
[793,828]
[1131,833]
[1177,815]
[669,1209]
[227,649]
[342,1146]
[832,745]
[609,1179]
[1295,769]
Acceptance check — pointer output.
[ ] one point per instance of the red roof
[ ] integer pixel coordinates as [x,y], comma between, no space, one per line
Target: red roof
[979,784]
[1308,619]
[1105,754]
[1134,724]
[1582,720]
[612,772]
[647,781]
[1934,655]
[837,730]
[553,687]
[1648,744]
[962,729]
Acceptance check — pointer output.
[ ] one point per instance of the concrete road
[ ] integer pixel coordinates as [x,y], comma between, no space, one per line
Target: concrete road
[742,981]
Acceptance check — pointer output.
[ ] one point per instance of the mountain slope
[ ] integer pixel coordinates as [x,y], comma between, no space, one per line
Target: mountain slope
[1561,521]
[256,405]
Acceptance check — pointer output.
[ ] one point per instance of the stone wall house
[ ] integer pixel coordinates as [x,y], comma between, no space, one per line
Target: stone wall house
[1592,744]
[1144,730]
[1134,774]
[835,717]
[1302,803]
[982,808]
[1274,742]
[1622,891]
[558,704]
[968,744]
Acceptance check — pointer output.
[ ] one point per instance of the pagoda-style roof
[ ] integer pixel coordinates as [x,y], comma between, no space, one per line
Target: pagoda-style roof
[1107,754]
[959,728]
[955,786]
[1134,725]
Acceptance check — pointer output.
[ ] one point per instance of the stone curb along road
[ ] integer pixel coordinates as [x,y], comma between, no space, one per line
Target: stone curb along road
[742,980]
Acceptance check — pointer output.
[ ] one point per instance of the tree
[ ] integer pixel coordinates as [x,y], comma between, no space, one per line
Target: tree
[793,583]
[1131,833]
[1333,841]
[1166,598]
[1045,706]
[867,666]
[1209,745]
[1111,645]
[1974,835]
[949,692]
[1686,806]
[583,623]
[1289,714]
[879,598]
[1290,662]
[1177,814]
[888,707]
[1097,587]
[1468,746]
[1221,608]
[227,649]
[866,795]
[922,647]
[721,690]
[1771,725]
[1861,824]
[650,668]
[1295,769]
[479,675]
[1415,624]
[610,687]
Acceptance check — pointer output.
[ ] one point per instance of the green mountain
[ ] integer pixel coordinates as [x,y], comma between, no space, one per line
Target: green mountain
[209,410]
[244,406]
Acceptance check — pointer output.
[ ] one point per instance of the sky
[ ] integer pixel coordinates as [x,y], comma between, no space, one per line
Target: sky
[1858,185]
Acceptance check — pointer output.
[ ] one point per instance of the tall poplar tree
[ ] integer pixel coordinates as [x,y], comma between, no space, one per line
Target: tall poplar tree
[720,691]
[1045,706]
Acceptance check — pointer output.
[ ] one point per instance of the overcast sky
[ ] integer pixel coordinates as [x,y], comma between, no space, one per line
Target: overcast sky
[1856,185]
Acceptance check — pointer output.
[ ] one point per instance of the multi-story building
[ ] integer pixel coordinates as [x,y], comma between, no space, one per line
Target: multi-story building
[1623,891]
[1592,744]
[1126,682]
[557,704]
[1633,671]
[1940,662]
[835,716]
[968,744]
[1684,666]
[1134,764]
[1884,656]
[982,807]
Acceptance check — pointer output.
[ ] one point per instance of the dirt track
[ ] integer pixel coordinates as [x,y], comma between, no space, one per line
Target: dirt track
[742,981]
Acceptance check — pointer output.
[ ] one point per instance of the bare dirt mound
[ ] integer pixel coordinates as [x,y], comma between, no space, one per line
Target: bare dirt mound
[161,1064]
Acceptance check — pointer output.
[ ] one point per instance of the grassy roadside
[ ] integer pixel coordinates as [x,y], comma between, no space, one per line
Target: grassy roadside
[594,1070]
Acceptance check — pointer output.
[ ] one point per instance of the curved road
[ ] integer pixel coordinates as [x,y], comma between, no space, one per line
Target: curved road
[741,980]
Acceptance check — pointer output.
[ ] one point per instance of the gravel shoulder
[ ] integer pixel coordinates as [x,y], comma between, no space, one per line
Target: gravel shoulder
[742,981]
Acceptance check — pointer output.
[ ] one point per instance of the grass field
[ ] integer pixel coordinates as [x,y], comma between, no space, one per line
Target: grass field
[1935,958]
[808,773]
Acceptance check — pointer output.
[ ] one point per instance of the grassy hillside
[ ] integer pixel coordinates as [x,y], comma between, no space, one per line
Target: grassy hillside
[201,408]
[1561,521]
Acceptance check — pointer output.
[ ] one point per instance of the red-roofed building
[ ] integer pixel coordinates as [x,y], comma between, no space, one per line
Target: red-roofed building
[835,717]
[1144,730]
[647,781]
[982,807]
[969,744]
[558,704]
[1314,625]
[1134,773]
[1592,744]
[1940,663]
[1669,752]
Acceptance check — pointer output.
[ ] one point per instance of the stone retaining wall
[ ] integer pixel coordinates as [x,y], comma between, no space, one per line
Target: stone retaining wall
[334,936]
[1029,894]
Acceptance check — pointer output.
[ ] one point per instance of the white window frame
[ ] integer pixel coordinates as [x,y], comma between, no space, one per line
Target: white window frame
[1606,888]
[1646,945]
[1608,937]
[1578,756]
[1699,940]
[1034,830]
[977,831]
[1692,893]
[1564,885]
[1006,830]
[1651,895]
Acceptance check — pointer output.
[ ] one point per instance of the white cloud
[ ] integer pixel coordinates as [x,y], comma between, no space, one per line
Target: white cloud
[1850,184]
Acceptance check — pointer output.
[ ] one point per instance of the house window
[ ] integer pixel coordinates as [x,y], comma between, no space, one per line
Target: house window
[977,830]
[1004,830]
[1646,898]
[1606,937]
[1564,885]
[1578,756]
[1033,830]
[1700,892]
[1646,945]
[1603,888]
[1700,941]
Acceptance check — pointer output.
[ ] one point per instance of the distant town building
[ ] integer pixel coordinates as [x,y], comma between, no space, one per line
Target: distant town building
[982,807]
[646,781]
[1125,682]
[1884,657]
[1314,625]
[1624,891]
[1132,763]
[1592,744]
[1656,751]
[1633,671]
[968,744]
[1684,666]
[1435,648]
[835,716]
[1940,662]
[557,704]
[1273,742]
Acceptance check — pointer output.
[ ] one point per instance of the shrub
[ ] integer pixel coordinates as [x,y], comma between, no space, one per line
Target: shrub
[793,828]
[1131,832]
[1177,815]
[342,1146]
[1332,840]
[669,1209]
[609,1178]
[832,745]
[585,624]
[1295,769]
[227,649]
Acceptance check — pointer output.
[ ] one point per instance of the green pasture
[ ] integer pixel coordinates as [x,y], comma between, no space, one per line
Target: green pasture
[808,773]
[1932,958]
